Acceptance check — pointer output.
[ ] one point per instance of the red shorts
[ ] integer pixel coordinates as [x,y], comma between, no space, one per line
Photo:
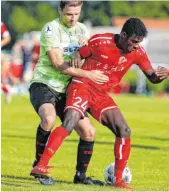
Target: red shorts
[81,97]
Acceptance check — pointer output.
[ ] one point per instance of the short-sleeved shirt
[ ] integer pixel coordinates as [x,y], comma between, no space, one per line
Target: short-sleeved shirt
[55,35]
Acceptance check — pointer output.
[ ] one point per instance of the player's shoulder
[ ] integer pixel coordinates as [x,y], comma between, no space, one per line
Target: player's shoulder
[50,28]
[104,38]
[82,27]
[139,54]
[140,51]
[79,24]
[53,24]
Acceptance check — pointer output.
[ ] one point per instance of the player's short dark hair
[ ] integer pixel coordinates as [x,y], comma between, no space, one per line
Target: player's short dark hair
[70,3]
[134,26]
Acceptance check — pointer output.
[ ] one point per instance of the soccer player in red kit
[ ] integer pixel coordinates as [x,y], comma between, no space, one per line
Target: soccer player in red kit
[5,39]
[5,35]
[114,55]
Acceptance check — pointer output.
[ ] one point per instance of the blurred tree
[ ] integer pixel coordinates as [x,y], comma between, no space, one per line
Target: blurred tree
[165,6]
[99,18]
[5,10]
[121,8]
[149,9]
[33,18]
[44,14]
[24,16]
[97,12]
[26,21]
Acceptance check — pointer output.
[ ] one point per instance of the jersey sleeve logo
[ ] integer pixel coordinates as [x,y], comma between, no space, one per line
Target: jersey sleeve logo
[48,30]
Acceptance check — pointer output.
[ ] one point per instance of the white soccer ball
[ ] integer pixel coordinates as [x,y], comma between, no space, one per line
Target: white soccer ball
[109,174]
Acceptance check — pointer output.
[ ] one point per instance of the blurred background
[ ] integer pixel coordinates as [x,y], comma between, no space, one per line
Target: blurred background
[25,19]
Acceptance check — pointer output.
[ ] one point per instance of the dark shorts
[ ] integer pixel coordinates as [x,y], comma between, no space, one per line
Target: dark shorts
[40,94]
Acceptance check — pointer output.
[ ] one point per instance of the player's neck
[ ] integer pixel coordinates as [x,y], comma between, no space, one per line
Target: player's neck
[118,42]
[64,25]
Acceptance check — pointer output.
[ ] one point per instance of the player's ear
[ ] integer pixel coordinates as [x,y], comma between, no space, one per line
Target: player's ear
[124,35]
[59,10]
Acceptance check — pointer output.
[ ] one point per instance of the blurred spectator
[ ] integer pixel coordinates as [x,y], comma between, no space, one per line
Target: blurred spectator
[5,39]
[26,56]
[35,51]
[16,69]
[5,35]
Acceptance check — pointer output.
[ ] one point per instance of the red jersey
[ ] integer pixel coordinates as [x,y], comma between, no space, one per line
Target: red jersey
[4,31]
[103,54]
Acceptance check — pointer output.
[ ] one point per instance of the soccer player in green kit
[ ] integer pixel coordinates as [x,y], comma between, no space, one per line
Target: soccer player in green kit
[60,38]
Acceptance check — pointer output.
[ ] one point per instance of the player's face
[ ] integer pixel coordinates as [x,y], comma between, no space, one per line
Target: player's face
[70,15]
[132,43]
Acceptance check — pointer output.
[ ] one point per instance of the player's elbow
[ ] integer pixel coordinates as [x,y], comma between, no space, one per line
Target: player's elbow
[56,58]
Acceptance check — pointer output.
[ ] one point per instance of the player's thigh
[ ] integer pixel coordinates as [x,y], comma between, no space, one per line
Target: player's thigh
[43,100]
[85,129]
[115,121]
[60,105]
[77,98]
[102,104]
[76,105]
[107,113]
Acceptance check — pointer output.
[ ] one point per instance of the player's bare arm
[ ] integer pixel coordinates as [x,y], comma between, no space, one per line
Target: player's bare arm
[158,75]
[56,58]
[5,41]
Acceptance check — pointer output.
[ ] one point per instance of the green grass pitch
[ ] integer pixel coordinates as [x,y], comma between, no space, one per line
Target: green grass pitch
[149,160]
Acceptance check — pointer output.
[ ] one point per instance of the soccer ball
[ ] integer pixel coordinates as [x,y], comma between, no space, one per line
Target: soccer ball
[109,174]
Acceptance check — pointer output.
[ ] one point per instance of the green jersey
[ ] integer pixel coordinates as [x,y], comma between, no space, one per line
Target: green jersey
[55,35]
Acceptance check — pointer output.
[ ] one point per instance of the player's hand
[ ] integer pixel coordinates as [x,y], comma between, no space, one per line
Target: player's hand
[76,60]
[83,41]
[161,72]
[97,76]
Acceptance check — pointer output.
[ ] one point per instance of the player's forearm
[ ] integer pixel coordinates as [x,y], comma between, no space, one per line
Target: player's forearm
[156,75]
[57,60]
[154,78]
[67,69]
[5,41]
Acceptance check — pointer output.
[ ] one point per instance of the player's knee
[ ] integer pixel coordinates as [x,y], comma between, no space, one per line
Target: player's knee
[48,122]
[125,130]
[89,134]
[71,119]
